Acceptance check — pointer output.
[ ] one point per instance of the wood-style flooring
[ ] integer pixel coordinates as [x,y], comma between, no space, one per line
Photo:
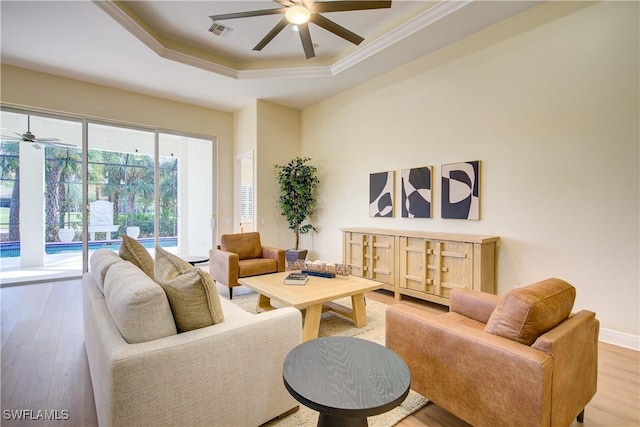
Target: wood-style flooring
[44,365]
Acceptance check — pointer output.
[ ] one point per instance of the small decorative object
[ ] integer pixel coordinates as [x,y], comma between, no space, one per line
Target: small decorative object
[133,231]
[416,192]
[66,234]
[320,268]
[381,187]
[461,190]
[297,180]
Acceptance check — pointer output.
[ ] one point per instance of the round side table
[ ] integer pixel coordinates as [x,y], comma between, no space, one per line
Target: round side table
[345,379]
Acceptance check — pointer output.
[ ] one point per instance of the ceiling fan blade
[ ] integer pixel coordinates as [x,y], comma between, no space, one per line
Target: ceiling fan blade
[308,3]
[248,14]
[285,3]
[336,29]
[271,34]
[343,6]
[10,138]
[305,37]
[56,144]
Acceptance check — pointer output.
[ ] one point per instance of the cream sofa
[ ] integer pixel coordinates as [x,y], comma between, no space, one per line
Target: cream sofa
[227,374]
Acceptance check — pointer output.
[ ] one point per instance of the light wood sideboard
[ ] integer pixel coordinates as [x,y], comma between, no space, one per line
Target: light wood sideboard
[421,264]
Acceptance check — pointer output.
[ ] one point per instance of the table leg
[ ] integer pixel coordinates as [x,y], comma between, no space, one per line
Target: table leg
[312,322]
[264,304]
[326,420]
[359,310]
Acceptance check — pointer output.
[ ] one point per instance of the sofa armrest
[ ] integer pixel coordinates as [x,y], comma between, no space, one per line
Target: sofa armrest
[574,347]
[223,267]
[473,304]
[275,253]
[502,382]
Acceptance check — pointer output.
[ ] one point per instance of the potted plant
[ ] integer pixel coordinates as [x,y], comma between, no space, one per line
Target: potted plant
[297,181]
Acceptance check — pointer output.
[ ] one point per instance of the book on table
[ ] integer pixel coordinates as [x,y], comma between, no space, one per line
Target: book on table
[296,279]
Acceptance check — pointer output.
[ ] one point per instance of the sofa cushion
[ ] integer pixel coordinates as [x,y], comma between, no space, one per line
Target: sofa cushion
[246,245]
[523,314]
[133,251]
[100,262]
[255,266]
[192,293]
[138,305]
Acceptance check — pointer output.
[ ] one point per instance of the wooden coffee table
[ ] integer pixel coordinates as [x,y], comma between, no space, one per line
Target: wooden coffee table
[314,297]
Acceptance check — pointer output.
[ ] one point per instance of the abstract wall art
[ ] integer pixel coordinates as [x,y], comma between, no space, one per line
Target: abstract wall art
[381,187]
[461,190]
[416,192]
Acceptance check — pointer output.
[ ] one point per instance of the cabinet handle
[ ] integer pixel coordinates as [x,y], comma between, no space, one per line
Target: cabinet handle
[445,269]
[376,257]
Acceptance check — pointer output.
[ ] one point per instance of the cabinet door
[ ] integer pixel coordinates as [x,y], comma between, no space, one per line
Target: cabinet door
[456,266]
[382,259]
[354,252]
[414,274]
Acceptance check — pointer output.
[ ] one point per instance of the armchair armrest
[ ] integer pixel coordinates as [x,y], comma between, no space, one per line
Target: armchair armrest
[574,347]
[224,267]
[275,253]
[473,304]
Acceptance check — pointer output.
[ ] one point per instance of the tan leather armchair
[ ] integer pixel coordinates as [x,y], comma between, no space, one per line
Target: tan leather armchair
[517,360]
[242,255]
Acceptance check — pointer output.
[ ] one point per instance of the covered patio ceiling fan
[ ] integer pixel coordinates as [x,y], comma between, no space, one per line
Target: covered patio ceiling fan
[37,142]
[301,12]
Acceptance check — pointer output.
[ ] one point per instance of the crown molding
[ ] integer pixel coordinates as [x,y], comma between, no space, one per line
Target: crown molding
[158,46]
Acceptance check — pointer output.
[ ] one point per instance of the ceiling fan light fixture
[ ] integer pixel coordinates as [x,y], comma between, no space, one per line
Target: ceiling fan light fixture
[297,15]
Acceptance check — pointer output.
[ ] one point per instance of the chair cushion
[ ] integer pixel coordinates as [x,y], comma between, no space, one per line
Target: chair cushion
[131,250]
[100,262]
[255,266]
[192,293]
[138,305]
[523,314]
[246,245]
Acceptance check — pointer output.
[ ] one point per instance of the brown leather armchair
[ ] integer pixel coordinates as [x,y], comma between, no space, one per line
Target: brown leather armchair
[242,255]
[517,360]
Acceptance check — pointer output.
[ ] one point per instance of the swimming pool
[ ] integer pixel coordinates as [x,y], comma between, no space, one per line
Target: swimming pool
[12,249]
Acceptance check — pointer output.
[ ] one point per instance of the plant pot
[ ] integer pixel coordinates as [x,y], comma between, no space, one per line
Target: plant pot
[296,254]
[66,235]
[133,231]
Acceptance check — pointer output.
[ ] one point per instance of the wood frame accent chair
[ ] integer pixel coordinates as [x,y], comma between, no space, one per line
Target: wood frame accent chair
[243,255]
[521,359]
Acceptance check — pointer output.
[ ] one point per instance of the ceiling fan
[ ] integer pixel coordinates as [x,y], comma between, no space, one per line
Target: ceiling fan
[301,12]
[37,142]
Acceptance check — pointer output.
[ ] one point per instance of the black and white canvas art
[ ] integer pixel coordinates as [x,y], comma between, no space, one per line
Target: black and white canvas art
[461,190]
[381,194]
[416,192]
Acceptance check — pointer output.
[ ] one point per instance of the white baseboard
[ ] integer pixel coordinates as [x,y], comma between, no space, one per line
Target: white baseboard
[620,339]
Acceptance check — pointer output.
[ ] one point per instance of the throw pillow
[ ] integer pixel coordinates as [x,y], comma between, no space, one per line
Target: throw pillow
[131,250]
[523,314]
[138,305]
[192,293]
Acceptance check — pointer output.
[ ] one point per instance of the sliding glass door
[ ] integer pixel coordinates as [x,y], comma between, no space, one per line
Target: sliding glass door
[155,186]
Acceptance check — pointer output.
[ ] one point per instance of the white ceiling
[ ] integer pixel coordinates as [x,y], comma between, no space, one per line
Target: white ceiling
[164,49]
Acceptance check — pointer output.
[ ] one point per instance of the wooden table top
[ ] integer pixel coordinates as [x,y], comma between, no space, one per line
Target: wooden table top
[318,290]
[346,376]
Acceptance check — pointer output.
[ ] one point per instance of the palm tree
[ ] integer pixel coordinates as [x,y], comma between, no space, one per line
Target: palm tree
[10,171]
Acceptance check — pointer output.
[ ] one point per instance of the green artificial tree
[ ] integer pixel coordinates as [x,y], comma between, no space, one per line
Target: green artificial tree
[297,181]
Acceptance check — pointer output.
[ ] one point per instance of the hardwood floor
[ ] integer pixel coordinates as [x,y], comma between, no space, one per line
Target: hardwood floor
[44,365]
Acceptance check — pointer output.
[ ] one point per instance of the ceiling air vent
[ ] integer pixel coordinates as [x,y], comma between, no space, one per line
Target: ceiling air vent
[220,30]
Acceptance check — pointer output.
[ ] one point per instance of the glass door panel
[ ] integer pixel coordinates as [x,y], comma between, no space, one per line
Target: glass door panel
[185,194]
[121,180]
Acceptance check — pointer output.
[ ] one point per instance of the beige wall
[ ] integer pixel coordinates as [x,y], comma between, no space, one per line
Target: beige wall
[29,89]
[548,101]
[278,143]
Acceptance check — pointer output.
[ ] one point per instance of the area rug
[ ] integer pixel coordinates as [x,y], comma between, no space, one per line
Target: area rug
[333,324]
